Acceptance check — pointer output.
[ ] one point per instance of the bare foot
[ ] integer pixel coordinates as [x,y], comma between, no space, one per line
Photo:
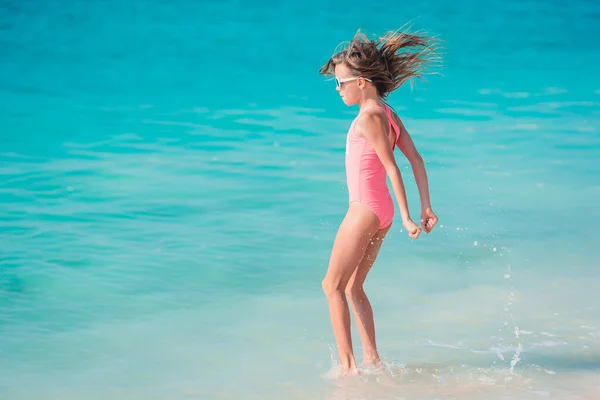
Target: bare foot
[349,372]
[372,363]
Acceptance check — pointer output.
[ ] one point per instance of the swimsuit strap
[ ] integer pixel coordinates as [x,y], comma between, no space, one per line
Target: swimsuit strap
[393,125]
[391,122]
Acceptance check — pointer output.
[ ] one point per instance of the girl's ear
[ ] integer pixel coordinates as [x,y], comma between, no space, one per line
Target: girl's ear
[361,83]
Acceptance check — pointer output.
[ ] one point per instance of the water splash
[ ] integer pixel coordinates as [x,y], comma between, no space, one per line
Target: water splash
[511,322]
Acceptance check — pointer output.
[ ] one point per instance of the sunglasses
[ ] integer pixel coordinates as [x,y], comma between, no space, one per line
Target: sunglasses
[338,81]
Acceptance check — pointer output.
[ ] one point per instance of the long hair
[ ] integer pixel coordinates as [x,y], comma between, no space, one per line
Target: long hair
[389,61]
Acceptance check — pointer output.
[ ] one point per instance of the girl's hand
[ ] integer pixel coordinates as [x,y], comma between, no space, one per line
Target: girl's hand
[428,219]
[413,229]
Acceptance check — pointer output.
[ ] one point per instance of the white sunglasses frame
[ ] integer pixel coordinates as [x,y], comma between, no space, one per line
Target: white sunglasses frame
[338,81]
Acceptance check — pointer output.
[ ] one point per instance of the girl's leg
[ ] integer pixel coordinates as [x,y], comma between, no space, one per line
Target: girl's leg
[353,237]
[363,313]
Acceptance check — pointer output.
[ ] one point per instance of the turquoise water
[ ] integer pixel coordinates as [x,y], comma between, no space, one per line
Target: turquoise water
[172,179]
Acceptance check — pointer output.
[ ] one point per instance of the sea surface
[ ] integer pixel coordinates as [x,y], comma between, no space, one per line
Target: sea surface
[172,178]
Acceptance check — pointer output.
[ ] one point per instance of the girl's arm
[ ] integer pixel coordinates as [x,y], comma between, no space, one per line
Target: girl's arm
[374,127]
[407,147]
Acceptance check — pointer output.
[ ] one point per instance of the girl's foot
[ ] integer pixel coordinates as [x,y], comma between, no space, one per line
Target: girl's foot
[373,362]
[349,372]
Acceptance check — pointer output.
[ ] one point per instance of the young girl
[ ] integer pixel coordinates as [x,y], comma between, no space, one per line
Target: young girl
[366,72]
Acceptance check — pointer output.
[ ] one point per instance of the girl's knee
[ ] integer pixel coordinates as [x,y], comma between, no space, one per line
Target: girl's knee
[331,286]
[354,292]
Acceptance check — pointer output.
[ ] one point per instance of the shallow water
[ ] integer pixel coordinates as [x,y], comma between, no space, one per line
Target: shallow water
[172,180]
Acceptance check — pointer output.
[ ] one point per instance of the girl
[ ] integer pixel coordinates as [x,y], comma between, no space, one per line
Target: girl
[366,72]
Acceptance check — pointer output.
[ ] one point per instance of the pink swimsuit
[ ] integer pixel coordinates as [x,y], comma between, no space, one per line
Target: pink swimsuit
[365,174]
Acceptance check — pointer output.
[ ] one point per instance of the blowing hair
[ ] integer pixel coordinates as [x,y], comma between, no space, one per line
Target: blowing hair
[389,61]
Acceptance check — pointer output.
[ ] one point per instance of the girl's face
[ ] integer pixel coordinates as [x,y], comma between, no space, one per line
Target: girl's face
[347,85]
